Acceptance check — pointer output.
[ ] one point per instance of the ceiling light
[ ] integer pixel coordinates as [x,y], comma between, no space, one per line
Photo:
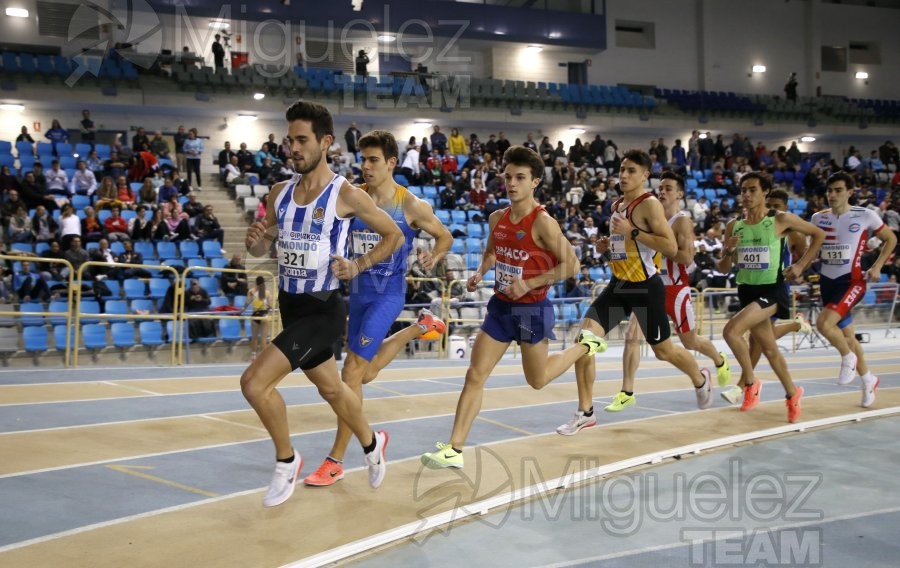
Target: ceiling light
[258,96]
[862,75]
[423,123]
[554,35]
[703,136]
[759,68]
[17,12]
[534,48]
[576,130]
[385,38]
[219,25]
[499,32]
[247,117]
[12,106]
[807,138]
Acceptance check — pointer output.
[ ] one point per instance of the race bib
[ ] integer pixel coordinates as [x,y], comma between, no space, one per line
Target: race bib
[506,273]
[299,259]
[617,247]
[362,243]
[836,254]
[753,258]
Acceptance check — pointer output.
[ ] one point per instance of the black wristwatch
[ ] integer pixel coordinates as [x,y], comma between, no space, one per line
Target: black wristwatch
[634,233]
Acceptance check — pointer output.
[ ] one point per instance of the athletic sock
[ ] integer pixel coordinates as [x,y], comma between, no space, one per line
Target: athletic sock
[455,450]
[703,385]
[868,377]
[629,393]
[371,447]
[332,460]
[588,413]
[287,460]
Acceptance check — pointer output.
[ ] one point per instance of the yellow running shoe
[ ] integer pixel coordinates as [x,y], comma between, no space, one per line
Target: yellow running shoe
[593,342]
[444,457]
[723,373]
[621,401]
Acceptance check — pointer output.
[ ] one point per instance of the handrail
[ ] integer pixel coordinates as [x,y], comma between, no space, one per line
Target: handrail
[157,316]
[31,258]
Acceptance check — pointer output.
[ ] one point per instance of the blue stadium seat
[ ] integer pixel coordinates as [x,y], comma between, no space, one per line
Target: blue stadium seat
[117,307]
[459,216]
[150,332]
[117,247]
[142,305]
[146,249]
[59,337]
[135,289]
[115,291]
[64,150]
[458,246]
[218,263]
[166,249]
[217,302]
[82,150]
[475,244]
[57,306]
[93,336]
[89,307]
[170,325]
[158,288]
[212,249]
[123,335]
[35,339]
[103,151]
[230,329]
[210,284]
[443,216]
[26,148]
[32,307]
[79,202]
[189,249]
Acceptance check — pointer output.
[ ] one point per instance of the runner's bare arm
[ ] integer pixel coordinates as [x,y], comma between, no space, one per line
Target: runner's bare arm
[261,234]
[487,257]
[422,217]
[354,202]
[547,234]
[788,221]
[730,243]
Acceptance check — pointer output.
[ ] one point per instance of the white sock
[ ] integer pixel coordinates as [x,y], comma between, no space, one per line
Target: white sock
[845,358]
[868,377]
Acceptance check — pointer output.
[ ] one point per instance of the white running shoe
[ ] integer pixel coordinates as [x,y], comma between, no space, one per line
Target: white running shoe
[868,391]
[848,369]
[576,424]
[704,393]
[283,480]
[733,395]
[375,460]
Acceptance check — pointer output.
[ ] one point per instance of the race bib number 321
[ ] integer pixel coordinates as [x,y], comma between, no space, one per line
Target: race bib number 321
[298,259]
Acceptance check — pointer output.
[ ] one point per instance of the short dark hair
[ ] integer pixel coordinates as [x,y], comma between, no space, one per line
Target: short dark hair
[778,194]
[765,180]
[841,176]
[381,139]
[673,176]
[639,157]
[522,156]
[316,114]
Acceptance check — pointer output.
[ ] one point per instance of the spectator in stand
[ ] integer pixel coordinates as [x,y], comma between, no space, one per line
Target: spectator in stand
[29,285]
[69,225]
[142,164]
[529,142]
[478,195]
[457,144]
[167,191]
[139,227]
[286,171]
[140,142]
[193,153]
[476,149]
[114,166]
[284,150]
[262,155]
[410,167]
[225,160]
[76,256]
[246,159]
[611,157]
[173,204]
[179,229]
[88,134]
[890,216]
[107,194]
[159,228]
[234,175]
[147,195]
[270,146]
[193,207]
[57,180]
[679,157]
[8,181]
[92,229]
[502,146]
[491,205]
[130,256]
[52,270]
[57,134]
[546,151]
[449,164]
[180,136]
[116,226]
[24,136]
[125,152]
[218,52]
[433,168]
[351,137]
[84,182]
[158,146]
[103,254]
[34,194]
[438,140]
[8,207]
[43,226]
[234,283]
[267,172]
[577,154]
[124,194]
[196,299]
[19,227]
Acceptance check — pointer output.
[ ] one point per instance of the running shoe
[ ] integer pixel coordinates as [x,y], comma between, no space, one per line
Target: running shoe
[593,342]
[620,401]
[444,457]
[793,405]
[704,393]
[805,327]
[868,391]
[577,424]
[329,473]
[430,322]
[751,395]
[848,369]
[283,480]
[376,461]
[733,394]
[723,373]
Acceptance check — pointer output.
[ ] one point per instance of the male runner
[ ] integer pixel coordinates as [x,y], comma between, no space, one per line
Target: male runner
[843,282]
[309,217]
[639,230]
[795,247]
[528,252]
[755,244]
[680,309]
[377,295]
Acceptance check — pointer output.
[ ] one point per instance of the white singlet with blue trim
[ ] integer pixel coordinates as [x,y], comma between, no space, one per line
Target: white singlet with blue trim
[307,235]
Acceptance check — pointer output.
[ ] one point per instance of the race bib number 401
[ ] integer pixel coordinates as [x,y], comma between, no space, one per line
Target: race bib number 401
[753,258]
[506,273]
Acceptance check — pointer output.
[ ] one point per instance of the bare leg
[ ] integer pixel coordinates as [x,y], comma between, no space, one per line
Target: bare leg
[258,386]
[694,342]
[351,374]
[765,336]
[541,368]
[734,331]
[389,349]
[827,324]
[345,403]
[681,359]
[486,352]
[850,335]
[586,370]
[631,356]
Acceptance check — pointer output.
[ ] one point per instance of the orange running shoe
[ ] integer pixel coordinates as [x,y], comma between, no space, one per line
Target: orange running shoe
[430,322]
[751,395]
[793,405]
[329,473]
